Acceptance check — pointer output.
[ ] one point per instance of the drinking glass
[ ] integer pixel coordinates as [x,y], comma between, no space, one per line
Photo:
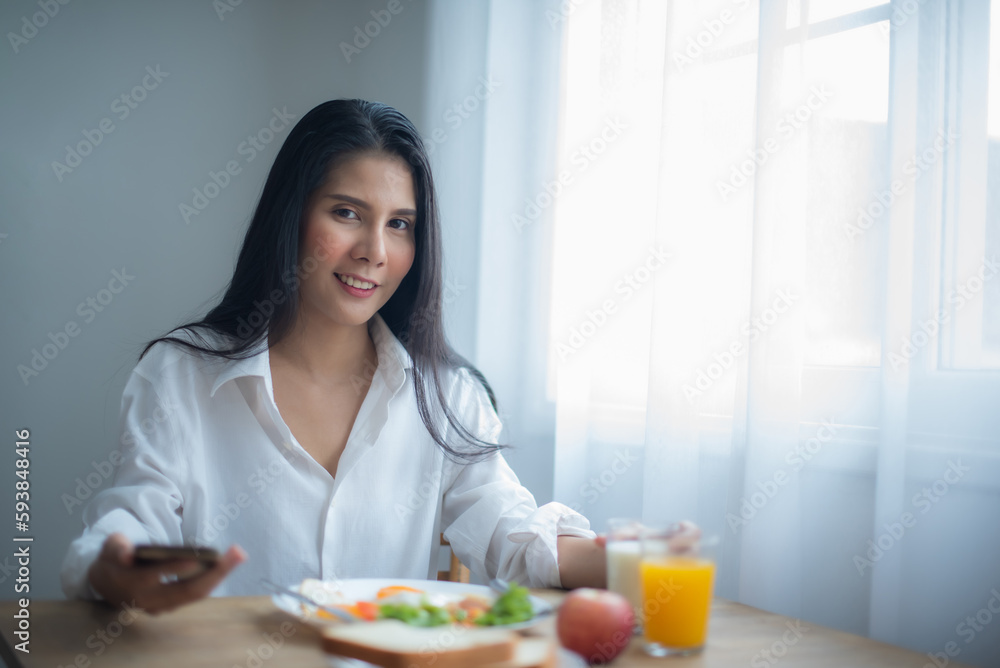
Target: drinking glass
[624,551]
[676,574]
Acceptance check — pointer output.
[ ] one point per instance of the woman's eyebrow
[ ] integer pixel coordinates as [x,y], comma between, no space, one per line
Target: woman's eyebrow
[364,205]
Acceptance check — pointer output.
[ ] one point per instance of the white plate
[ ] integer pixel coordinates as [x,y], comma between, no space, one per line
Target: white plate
[365,589]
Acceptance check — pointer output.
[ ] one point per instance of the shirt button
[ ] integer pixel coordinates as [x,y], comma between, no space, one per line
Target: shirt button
[288,445]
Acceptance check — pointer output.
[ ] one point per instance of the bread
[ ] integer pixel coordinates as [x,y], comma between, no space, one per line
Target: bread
[393,644]
[532,653]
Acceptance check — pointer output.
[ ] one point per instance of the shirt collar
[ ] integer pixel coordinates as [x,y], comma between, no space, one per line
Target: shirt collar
[257,365]
[393,360]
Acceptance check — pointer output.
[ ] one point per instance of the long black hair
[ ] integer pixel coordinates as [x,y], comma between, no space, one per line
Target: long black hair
[262,299]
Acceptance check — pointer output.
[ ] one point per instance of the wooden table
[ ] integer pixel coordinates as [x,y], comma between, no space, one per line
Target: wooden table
[251,632]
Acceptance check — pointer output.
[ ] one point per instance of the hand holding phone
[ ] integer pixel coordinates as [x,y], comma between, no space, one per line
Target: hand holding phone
[158,578]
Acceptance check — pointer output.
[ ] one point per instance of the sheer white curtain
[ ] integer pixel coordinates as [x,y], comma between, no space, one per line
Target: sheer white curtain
[774,303]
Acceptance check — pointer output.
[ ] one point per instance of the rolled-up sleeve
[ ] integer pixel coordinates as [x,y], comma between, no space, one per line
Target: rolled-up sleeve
[144,501]
[491,520]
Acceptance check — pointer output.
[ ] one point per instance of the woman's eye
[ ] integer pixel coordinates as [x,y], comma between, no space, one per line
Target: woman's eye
[344,213]
[399,224]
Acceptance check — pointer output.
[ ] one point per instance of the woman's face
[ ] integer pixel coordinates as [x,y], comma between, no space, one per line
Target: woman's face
[358,228]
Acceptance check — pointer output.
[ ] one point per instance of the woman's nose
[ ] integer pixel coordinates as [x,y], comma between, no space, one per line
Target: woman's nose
[371,246]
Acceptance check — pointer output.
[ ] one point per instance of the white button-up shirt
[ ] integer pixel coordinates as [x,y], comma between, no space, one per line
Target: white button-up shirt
[207,459]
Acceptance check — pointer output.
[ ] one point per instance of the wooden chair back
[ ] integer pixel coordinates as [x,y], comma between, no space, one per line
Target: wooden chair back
[456,571]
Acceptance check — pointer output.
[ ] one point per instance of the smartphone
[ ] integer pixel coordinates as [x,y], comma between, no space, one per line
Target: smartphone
[147,555]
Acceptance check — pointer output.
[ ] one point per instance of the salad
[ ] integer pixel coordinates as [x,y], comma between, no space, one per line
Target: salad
[419,608]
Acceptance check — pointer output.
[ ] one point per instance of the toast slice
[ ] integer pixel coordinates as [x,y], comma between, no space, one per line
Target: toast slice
[392,644]
[532,652]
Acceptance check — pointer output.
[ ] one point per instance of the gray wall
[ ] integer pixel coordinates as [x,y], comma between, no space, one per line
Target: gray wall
[63,236]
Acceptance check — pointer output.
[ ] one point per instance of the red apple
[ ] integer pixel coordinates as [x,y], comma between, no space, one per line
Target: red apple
[595,623]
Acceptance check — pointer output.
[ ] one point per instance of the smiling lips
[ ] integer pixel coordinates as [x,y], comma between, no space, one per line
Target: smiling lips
[356,283]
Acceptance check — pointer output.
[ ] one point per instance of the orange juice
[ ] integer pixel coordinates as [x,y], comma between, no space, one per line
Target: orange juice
[676,593]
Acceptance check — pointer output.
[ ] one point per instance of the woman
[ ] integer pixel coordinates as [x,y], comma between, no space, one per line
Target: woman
[317,416]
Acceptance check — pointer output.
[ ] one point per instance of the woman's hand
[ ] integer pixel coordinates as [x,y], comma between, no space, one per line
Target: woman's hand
[115,576]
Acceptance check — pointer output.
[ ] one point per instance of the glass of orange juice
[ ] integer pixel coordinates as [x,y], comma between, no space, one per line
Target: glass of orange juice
[677,573]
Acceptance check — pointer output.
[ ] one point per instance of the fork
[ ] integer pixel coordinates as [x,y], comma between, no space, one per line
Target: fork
[342,615]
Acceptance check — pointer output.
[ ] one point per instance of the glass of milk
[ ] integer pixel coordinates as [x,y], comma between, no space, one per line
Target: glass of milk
[624,552]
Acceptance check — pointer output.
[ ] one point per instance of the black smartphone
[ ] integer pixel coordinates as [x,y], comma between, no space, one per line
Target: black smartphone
[147,555]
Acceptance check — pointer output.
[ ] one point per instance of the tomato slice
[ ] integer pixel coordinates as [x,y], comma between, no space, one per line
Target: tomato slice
[367,610]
